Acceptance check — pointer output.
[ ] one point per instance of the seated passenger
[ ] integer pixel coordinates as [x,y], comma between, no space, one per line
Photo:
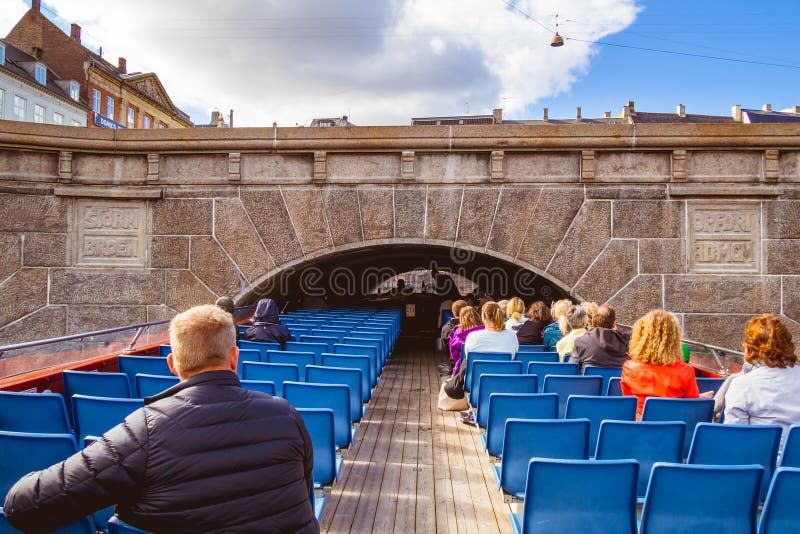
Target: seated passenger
[226,303]
[468,321]
[494,337]
[576,320]
[553,332]
[267,325]
[531,331]
[655,368]
[515,313]
[603,345]
[447,330]
[591,309]
[205,455]
[770,392]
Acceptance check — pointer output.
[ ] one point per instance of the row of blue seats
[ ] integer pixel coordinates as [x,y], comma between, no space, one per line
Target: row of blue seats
[599,497]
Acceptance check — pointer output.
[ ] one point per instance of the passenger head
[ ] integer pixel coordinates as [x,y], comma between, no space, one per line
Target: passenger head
[559,310]
[538,311]
[457,306]
[576,317]
[591,309]
[202,338]
[768,342]
[226,303]
[515,308]
[656,339]
[604,317]
[468,318]
[492,316]
[503,303]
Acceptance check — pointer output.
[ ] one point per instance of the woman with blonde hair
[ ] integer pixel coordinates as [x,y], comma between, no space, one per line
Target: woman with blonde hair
[515,314]
[554,331]
[468,321]
[577,319]
[494,337]
[656,367]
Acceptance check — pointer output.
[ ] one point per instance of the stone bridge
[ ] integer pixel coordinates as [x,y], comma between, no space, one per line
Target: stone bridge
[101,228]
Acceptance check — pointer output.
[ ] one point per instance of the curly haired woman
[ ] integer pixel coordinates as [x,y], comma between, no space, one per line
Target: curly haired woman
[769,393]
[656,368]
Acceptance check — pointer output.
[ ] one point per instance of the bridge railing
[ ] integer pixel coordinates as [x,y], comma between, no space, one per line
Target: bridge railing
[713,359]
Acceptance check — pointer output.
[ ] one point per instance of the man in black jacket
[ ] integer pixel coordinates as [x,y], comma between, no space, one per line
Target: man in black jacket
[203,456]
[603,345]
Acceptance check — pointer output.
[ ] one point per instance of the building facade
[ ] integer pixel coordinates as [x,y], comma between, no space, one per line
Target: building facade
[116,98]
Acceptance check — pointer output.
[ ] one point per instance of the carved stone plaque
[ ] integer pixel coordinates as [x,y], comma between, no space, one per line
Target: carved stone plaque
[110,234]
[725,238]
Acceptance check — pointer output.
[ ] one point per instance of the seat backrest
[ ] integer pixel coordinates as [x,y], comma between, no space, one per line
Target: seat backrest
[248,355]
[333,396]
[277,373]
[300,359]
[116,385]
[499,383]
[505,406]
[33,412]
[540,357]
[347,361]
[317,374]
[647,442]
[709,384]
[614,388]
[790,453]
[328,341]
[571,385]
[780,508]
[261,346]
[361,350]
[475,356]
[531,348]
[539,438]
[319,423]
[316,348]
[542,369]
[606,372]
[380,357]
[326,331]
[716,444]
[145,365]
[164,350]
[481,367]
[690,411]
[264,386]
[24,452]
[149,385]
[701,498]
[599,408]
[580,496]
[96,415]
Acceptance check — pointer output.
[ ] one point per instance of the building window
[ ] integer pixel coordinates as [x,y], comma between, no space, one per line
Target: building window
[96,102]
[41,74]
[19,108]
[2,103]
[147,122]
[2,54]
[76,123]
[58,118]
[74,91]
[110,107]
[38,113]
[161,124]
[131,118]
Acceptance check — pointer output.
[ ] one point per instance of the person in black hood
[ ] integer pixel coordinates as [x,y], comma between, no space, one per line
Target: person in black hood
[267,325]
[603,345]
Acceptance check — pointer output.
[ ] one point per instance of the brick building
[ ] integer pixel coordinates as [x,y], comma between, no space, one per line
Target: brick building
[116,98]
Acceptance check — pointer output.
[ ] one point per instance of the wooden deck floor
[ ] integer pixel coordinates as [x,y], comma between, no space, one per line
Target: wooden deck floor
[413,468]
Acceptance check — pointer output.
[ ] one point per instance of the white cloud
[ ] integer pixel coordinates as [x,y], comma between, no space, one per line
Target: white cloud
[378,62]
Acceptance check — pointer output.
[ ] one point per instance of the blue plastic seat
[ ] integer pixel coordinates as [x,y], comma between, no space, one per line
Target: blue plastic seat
[710,499]
[690,411]
[614,387]
[300,359]
[505,406]
[317,374]
[368,340]
[499,383]
[118,526]
[361,350]
[164,350]
[646,442]
[532,348]
[326,331]
[24,452]
[247,355]
[539,357]
[260,346]
[277,373]
[482,367]
[346,361]
[264,386]
[145,365]
[95,383]
[542,369]
[598,409]
[780,515]
[716,444]
[790,451]
[606,372]
[328,341]
[586,496]
[84,526]
[571,385]
[316,348]
[94,416]
[705,384]
[484,357]
[320,426]
[333,396]
[149,385]
[538,438]
[34,412]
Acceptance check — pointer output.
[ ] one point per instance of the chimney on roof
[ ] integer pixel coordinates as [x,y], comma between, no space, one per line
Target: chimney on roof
[36,5]
[736,112]
[215,117]
[544,115]
[766,107]
[606,114]
[497,115]
[75,33]
[123,66]
[627,109]
[681,110]
[578,114]
[795,110]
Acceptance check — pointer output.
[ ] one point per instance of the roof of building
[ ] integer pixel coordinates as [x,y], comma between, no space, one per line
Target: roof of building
[331,121]
[673,118]
[757,115]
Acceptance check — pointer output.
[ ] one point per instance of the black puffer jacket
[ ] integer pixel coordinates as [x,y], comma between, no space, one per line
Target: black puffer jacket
[203,456]
[267,325]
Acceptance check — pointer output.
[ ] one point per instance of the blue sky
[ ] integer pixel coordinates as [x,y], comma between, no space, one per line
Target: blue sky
[385,61]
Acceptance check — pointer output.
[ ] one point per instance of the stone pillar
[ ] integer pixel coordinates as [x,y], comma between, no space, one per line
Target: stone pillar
[679,166]
[407,166]
[771,156]
[65,167]
[587,166]
[152,168]
[235,167]
[496,171]
[320,167]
